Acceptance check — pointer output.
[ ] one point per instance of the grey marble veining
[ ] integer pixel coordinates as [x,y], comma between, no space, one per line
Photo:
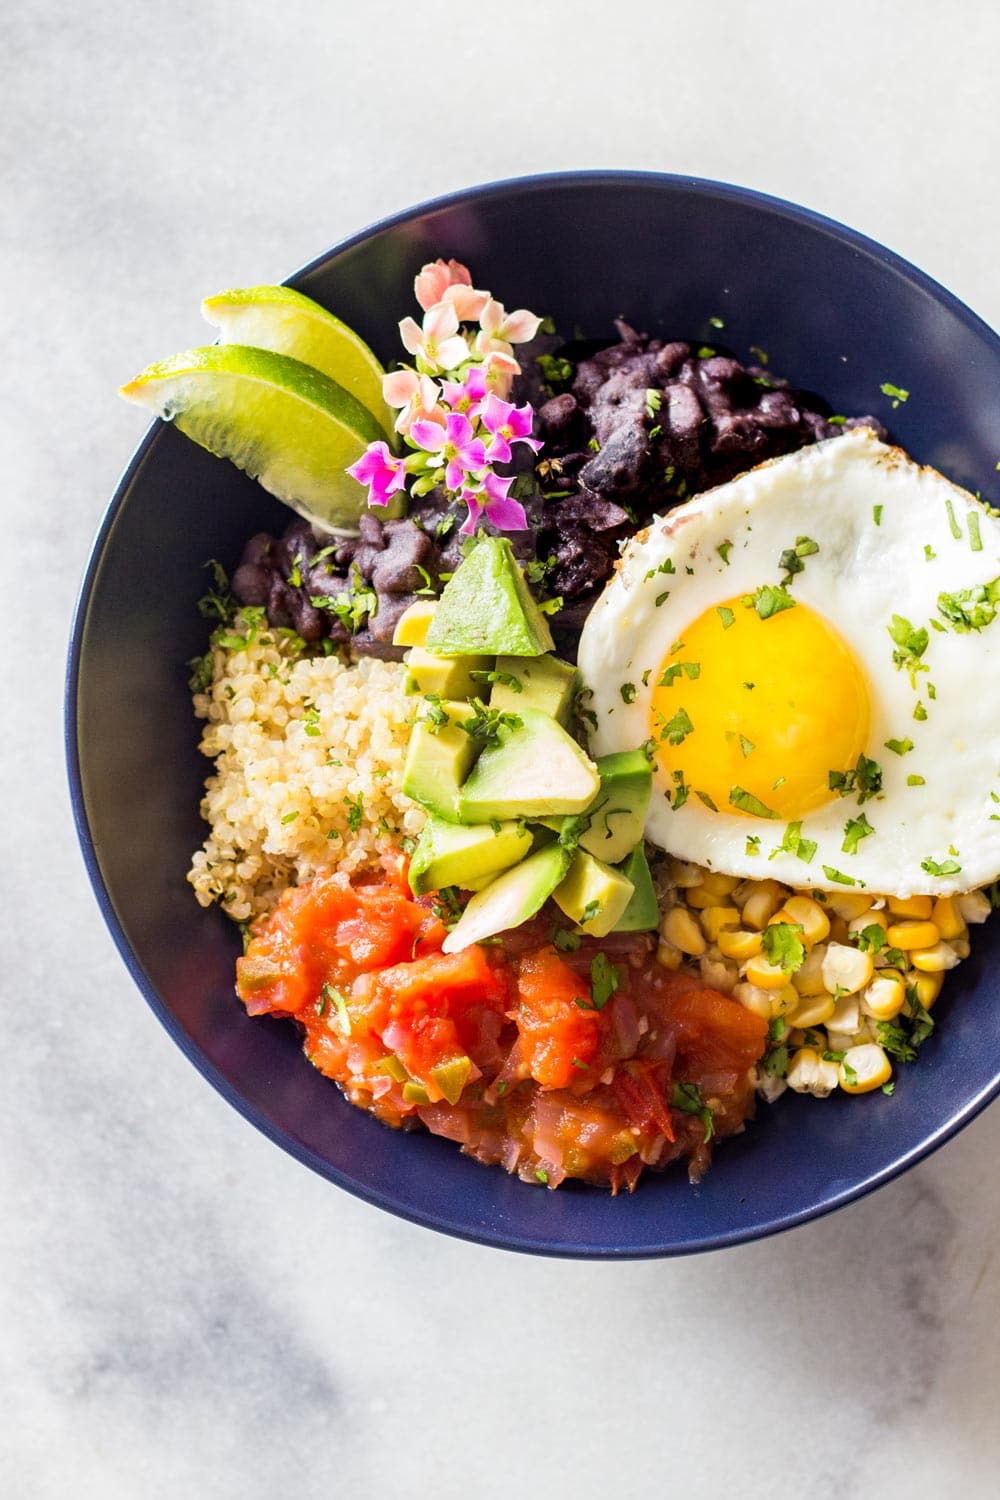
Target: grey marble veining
[184,1311]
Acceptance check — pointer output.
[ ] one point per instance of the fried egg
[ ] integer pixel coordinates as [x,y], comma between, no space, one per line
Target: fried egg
[810,655]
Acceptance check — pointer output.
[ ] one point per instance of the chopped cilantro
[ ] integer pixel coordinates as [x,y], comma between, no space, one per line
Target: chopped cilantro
[975,539]
[627,691]
[747,746]
[355,811]
[915,781]
[604,980]
[877,514]
[770,599]
[895,392]
[953,525]
[678,728]
[725,615]
[920,712]
[748,803]
[855,829]
[910,643]
[753,843]
[944,867]
[782,946]
[864,781]
[899,747]
[839,877]
[724,549]
[704,797]
[794,843]
[970,609]
[667,566]
[565,940]
[929,553]
[687,1098]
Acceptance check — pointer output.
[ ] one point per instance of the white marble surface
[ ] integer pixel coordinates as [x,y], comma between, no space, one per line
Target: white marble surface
[185,1311]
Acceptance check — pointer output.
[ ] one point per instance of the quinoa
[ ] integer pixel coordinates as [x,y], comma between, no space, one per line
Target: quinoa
[308,755]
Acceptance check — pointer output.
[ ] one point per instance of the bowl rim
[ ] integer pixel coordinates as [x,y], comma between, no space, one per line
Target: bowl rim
[443,1222]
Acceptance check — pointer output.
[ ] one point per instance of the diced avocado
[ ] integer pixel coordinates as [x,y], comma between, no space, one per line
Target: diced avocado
[486,607]
[533,770]
[593,895]
[510,899]
[542,682]
[438,758]
[454,854]
[642,913]
[618,815]
[414,623]
[451,1077]
[444,676]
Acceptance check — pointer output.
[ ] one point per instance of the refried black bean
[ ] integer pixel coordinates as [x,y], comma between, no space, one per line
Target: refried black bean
[643,425]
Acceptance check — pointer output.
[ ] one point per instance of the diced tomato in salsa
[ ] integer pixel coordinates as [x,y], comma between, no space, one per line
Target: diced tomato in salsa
[501,1047]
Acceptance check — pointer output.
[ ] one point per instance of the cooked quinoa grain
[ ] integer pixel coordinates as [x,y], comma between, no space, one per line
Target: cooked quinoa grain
[309,758]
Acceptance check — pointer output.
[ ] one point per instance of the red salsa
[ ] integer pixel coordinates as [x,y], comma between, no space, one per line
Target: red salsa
[554,1056]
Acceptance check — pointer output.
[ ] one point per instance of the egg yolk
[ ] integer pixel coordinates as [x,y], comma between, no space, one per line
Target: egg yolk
[761,709]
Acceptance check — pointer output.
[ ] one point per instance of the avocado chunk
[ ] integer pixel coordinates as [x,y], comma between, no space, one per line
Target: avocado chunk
[438,758]
[486,608]
[414,623]
[534,769]
[453,854]
[510,899]
[542,682]
[642,913]
[444,676]
[618,815]
[593,895]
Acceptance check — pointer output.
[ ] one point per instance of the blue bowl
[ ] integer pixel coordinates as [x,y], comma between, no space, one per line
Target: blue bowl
[837,314]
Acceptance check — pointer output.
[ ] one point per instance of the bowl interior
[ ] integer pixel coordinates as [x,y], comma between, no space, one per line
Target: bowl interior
[835,314]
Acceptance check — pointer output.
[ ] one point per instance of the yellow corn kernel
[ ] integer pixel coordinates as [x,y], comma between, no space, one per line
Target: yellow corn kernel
[808,1073]
[845,1017]
[783,1001]
[739,944]
[975,906]
[767,976]
[717,972]
[812,1010]
[669,956]
[934,960]
[808,979]
[962,946]
[808,915]
[884,997]
[753,998]
[700,897]
[848,904]
[715,919]
[720,885]
[864,1068]
[838,929]
[926,987]
[910,935]
[684,874]
[948,919]
[919,907]
[761,904]
[846,969]
[681,928]
[871,918]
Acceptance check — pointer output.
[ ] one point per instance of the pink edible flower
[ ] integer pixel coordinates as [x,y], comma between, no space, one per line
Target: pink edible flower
[459,449]
[493,502]
[417,395]
[500,369]
[466,395]
[508,424]
[437,345]
[381,471]
[434,279]
[510,328]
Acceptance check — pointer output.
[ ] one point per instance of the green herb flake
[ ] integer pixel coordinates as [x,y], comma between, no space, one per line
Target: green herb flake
[839,878]
[726,615]
[910,643]
[915,781]
[724,549]
[746,802]
[899,747]
[565,940]
[627,691]
[863,782]
[753,843]
[770,599]
[688,1099]
[929,553]
[855,829]
[942,867]
[970,609]
[975,539]
[288,818]
[604,980]
[782,946]
[541,1176]
[877,514]
[355,812]
[678,728]
[953,525]
[747,746]
[920,712]
[895,392]
[706,799]
[794,843]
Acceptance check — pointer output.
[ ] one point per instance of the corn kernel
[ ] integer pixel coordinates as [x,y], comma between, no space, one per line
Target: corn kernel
[683,874]
[909,935]
[948,919]
[884,997]
[975,907]
[864,1068]
[716,972]
[669,956]
[680,928]
[848,904]
[700,897]
[808,979]
[764,974]
[812,1010]
[754,998]
[870,918]
[809,1074]
[808,915]
[934,960]
[961,946]
[845,1016]
[839,932]
[761,904]
[715,919]
[919,907]
[738,945]
[720,885]
[783,1001]
[926,987]
[846,968]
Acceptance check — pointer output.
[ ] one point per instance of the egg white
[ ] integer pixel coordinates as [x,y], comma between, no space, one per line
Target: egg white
[892,536]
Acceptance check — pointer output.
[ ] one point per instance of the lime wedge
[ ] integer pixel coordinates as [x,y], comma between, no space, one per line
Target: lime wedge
[286,322]
[288,425]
